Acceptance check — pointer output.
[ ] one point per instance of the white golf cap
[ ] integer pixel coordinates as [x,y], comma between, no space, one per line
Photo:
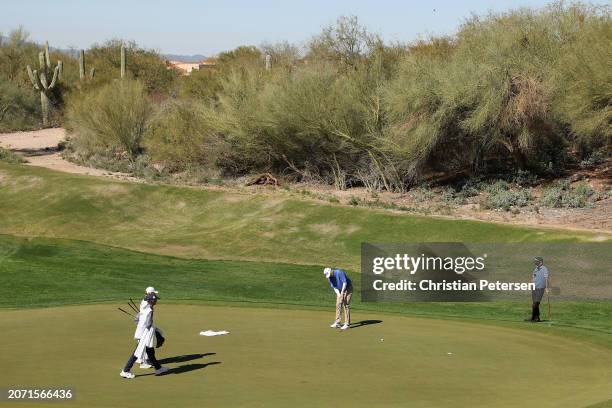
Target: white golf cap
[150,289]
[327,272]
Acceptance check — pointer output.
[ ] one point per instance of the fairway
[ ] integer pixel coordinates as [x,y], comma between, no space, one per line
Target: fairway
[289,358]
[217,224]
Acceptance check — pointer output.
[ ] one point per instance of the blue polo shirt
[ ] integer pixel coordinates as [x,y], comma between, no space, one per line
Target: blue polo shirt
[338,279]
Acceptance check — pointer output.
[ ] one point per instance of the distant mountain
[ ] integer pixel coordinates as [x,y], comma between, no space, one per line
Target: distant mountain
[184,58]
[73,52]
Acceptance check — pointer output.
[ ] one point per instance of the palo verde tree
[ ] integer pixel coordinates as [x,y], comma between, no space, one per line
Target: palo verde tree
[44,81]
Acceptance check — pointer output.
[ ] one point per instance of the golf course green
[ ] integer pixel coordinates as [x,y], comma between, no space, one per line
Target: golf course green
[276,358]
[74,248]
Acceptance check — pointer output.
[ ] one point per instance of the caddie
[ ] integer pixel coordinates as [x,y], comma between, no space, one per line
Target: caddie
[144,363]
[342,285]
[147,341]
[541,282]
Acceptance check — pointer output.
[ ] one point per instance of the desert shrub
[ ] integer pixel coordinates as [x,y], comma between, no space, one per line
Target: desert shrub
[8,156]
[524,178]
[562,195]
[553,196]
[493,88]
[144,65]
[180,137]
[19,107]
[581,81]
[470,188]
[448,195]
[422,193]
[115,116]
[500,196]
[595,158]
[202,85]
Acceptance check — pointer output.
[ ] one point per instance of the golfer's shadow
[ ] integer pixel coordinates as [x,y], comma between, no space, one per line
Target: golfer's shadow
[364,323]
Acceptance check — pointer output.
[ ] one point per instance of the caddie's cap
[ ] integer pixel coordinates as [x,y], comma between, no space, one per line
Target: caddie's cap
[327,272]
[151,291]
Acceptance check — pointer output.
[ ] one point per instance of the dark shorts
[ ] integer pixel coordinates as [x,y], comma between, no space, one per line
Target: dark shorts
[537,295]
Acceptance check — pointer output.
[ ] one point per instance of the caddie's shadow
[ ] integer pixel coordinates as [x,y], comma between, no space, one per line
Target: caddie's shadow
[364,323]
[190,367]
[185,368]
[183,358]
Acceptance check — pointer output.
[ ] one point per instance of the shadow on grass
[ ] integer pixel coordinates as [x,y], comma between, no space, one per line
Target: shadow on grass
[364,323]
[183,358]
[190,367]
[185,368]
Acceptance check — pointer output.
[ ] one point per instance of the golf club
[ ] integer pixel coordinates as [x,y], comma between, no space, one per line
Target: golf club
[135,305]
[127,313]
[132,307]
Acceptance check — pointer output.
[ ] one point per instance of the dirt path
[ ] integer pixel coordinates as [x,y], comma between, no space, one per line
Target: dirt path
[40,148]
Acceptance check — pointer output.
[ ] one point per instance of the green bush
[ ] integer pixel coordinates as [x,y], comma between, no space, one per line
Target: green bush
[8,156]
[581,81]
[180,136]
[143,65]
[19,108]
[113,117]
[500,90]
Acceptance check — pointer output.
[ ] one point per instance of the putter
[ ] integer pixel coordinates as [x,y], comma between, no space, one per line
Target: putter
[548,301]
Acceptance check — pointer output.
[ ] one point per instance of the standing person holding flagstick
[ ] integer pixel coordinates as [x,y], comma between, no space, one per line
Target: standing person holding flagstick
[541,280]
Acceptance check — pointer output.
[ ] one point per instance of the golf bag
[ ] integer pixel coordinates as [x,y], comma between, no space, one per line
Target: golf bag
[159,338]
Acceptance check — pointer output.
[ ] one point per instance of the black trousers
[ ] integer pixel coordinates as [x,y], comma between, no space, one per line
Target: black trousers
[536,296]
[150,355]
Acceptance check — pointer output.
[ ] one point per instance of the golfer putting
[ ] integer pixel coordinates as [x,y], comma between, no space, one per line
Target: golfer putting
[147,340]
[342,285]
[541,281]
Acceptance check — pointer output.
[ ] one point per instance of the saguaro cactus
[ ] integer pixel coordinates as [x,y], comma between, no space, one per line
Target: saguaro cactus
[44,81]
[92,71]
[122,61]
[268,62]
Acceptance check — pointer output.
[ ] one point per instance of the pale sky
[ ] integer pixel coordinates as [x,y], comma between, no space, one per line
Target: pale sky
[208,27]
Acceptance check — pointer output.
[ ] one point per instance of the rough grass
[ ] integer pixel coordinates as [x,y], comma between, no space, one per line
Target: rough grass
[198,223]
[39,272]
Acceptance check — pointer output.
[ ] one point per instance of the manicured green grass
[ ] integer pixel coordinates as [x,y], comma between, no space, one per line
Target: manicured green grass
[199,223]
[281,358]
[50,272]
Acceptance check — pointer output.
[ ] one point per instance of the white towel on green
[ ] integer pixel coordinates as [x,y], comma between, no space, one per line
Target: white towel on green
[210,333]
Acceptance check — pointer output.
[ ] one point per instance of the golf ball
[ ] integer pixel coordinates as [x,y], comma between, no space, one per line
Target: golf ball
[450,354]
[382,339]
